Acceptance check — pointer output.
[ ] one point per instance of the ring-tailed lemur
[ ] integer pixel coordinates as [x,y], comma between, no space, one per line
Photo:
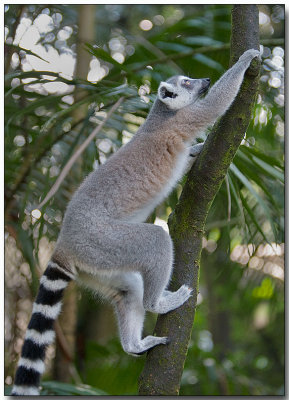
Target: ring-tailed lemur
[104,242]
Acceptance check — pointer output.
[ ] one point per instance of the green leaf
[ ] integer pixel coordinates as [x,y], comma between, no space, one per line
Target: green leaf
[256,174]
[252,216]
[171,46]
[196,23]
[67,389]
[269,165]
[271,171]
[38,74]
[253,192]
[209,62]
[18,48]
[236,196]
[99,52]
[265,157]
[46,101]
[27,246]
[202,41]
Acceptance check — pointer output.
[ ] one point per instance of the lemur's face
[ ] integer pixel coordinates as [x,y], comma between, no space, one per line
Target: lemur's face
[180,91]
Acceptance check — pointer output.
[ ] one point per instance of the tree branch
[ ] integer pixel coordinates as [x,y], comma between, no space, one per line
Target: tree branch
[164,364]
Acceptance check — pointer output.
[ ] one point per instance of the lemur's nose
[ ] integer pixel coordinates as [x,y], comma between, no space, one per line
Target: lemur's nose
[208,80]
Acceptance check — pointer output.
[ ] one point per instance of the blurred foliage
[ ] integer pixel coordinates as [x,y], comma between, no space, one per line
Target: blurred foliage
[135,48]
[52,388]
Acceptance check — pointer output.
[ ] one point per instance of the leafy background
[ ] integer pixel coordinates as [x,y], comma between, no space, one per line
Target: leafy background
[52,105]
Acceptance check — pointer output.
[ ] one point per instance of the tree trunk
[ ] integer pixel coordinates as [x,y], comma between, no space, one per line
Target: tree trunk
[86,34]
[63,367]
[164,364]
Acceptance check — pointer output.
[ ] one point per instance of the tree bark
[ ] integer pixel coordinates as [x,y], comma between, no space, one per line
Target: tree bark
[86,34]
[164,364]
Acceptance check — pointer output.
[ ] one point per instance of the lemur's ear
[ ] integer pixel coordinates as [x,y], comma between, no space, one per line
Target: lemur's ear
[166,90]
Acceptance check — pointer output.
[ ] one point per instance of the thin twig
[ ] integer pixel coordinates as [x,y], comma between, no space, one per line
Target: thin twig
[78,152]
[64,347]
[229,197]
[62,341]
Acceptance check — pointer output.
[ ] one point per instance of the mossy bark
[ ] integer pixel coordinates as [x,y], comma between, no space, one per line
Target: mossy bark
[164,364]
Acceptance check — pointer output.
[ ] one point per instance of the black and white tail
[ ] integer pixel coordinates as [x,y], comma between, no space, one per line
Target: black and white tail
[40,332]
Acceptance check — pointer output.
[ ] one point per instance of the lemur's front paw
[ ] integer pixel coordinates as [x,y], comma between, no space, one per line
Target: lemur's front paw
[196,149]
[248,55]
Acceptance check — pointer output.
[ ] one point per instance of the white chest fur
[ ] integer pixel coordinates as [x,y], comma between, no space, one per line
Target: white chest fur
[177,173]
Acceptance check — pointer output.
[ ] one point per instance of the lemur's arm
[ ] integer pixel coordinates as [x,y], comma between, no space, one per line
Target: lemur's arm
[223,93]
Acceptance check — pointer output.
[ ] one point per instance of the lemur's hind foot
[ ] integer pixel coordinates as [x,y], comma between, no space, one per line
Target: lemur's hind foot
[172,300]
[148,343]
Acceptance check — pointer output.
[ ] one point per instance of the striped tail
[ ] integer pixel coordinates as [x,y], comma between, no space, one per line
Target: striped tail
[40,332]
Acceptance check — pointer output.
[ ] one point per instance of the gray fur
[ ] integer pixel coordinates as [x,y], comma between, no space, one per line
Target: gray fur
[104,240]
[104,234]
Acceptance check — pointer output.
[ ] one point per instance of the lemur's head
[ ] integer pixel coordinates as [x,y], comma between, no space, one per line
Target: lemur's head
[180,91]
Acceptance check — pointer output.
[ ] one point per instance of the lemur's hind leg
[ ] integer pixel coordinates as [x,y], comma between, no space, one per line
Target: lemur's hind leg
[131,247]
[130,315]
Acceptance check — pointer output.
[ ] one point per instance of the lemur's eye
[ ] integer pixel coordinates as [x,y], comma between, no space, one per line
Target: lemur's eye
[187,82]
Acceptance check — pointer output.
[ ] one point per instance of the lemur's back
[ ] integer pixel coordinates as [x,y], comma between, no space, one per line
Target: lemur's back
[134,177]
